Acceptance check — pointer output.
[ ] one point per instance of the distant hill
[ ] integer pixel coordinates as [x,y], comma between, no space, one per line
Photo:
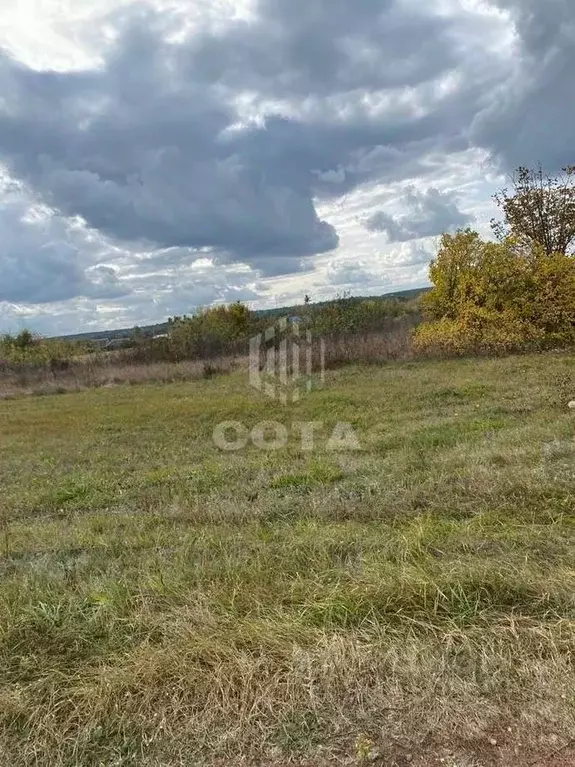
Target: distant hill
[104,335]
[401,295]
[162,327]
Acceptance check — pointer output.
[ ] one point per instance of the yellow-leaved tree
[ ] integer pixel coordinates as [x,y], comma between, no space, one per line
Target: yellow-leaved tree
[496,297]
[511,294]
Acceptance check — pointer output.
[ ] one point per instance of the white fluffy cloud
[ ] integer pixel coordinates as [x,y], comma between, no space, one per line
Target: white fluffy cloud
[422,215]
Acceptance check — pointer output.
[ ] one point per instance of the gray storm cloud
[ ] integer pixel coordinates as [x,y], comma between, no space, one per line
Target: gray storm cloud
[226,140]
[43,261]
[530,117]
[148,148]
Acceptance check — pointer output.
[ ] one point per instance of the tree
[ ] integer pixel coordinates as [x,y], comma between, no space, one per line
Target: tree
[496,297]
[451,272]
[539,210]
[24,339]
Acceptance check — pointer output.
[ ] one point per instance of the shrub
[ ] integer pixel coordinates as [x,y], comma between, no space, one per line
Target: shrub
[226,330]
[496,297]
[478,331]
[29,350]
[209,333]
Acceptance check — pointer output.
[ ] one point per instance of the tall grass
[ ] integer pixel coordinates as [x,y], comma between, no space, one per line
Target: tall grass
[141,364]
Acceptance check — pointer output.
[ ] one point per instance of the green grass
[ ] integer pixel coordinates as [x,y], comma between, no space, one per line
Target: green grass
[163,602]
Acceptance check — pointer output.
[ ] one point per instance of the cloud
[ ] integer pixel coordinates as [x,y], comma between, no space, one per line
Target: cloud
[185,288]
[403,267]
[530,117]
[408,255]
[144,155]
[263,144]
[42,259]
[225,139]
[350,273]
[425,214]
[297,48]
[154,295]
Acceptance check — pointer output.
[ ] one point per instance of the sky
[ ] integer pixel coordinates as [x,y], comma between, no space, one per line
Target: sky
[157,157]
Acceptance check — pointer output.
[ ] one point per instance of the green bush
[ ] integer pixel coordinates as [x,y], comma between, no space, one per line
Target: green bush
[28,349]
[224,330]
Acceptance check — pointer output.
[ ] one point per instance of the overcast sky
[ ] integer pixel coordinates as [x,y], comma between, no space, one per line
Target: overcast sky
[156,157]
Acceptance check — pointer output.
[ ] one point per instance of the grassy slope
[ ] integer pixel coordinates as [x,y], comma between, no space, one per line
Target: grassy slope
[162,602]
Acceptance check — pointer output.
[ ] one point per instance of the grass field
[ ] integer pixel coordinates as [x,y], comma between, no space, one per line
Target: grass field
[166,603]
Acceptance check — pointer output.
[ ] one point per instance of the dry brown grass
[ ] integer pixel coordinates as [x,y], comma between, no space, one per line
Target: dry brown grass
[369,348]
[118,368]
[264,690]
[106,370]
